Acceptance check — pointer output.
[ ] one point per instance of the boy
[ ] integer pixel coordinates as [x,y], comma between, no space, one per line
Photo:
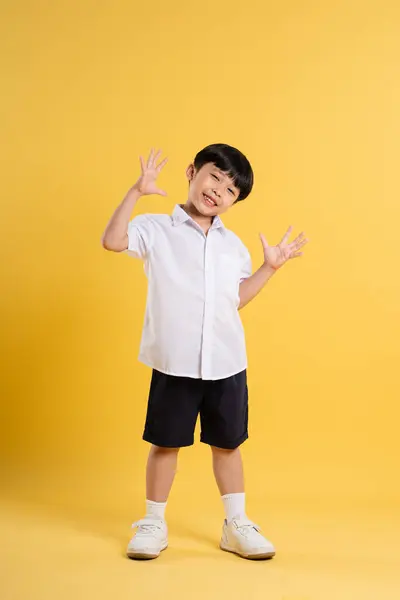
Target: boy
[199,276]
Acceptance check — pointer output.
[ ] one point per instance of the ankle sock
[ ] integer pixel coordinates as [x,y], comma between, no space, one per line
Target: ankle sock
[234,505]
[155,509]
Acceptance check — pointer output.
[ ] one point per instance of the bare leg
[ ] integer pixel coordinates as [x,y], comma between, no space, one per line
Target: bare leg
[160,472]
[228,470]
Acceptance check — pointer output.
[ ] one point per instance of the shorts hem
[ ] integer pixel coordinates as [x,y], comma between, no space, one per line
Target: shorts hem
[225,445]
[152,440]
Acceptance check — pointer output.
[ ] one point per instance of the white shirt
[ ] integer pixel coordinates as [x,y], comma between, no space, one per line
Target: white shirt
[192,326]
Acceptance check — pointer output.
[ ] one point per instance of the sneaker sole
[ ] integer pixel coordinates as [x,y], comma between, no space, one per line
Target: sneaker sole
[264,556]
[144,555]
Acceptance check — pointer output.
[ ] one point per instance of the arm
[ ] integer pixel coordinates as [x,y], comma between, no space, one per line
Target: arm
[250,287]
[274,258]
[115,236]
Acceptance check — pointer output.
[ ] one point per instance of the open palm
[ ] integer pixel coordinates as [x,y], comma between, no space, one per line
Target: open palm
[277,256]
[147,182]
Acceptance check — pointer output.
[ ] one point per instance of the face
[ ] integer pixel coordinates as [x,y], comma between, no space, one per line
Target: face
[211,191]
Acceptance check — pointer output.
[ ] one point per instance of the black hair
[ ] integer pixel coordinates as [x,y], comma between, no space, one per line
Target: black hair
[230,161]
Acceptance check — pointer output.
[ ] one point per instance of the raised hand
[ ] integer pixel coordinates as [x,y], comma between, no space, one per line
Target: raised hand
[147,182]
[277,256]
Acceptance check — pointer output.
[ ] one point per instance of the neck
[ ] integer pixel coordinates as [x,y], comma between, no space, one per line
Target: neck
[204,222]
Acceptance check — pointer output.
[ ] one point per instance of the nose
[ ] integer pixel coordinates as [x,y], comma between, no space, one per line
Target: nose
[216,192]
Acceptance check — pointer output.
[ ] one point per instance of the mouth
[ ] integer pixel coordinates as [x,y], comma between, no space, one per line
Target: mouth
[209,201]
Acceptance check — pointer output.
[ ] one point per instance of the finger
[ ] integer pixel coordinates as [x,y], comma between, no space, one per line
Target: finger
[162,164]
[150,159]
[299,237]
[161,193]
[296,255]
[264,240]
[142,164]
[302,243]
[157,156]
[298,245]
[286,236]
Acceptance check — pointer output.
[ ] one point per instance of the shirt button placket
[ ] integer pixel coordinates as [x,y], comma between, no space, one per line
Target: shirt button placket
[206,359]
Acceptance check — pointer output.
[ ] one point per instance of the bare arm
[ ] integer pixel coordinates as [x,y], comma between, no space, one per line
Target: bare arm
[115,236]
[250,287]
[274,258]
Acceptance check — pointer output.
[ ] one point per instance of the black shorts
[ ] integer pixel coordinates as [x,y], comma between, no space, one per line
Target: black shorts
[175,402]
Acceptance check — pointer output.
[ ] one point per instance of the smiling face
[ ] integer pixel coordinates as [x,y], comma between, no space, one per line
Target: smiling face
[211,192]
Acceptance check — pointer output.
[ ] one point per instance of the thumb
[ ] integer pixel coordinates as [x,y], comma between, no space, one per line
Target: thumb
[162,193]
[264,240]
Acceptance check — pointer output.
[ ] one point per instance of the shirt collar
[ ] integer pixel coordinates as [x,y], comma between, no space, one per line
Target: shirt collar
[180,216]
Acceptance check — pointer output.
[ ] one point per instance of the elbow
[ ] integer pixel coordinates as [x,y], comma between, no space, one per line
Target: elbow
[109,245]
[105,243]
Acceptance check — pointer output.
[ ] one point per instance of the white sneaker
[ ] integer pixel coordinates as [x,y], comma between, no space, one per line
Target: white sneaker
[150,539]
[243,537]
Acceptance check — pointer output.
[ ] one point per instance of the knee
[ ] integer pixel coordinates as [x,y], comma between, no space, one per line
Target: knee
[161,451]
[224,451]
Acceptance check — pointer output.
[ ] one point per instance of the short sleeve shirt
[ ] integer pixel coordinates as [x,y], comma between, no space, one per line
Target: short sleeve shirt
[192,326]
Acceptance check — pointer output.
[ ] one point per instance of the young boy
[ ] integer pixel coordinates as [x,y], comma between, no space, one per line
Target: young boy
[199,276]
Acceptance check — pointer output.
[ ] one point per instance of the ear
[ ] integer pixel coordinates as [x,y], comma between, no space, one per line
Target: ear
[190,172]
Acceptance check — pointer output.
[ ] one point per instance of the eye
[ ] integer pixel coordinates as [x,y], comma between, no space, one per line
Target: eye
[231,191]
[215,177]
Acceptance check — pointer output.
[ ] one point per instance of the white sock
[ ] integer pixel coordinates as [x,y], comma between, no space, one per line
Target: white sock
[234,505]
[155,509]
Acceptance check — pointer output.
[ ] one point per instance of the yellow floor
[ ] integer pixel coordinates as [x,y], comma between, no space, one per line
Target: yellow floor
[48,552]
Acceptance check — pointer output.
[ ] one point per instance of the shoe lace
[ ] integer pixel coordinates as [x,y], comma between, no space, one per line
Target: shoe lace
[247,527]
[147,528]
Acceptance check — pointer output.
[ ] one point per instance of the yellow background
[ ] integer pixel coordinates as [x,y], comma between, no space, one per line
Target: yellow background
[310,92]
